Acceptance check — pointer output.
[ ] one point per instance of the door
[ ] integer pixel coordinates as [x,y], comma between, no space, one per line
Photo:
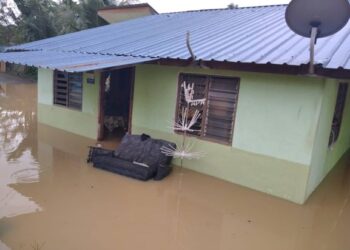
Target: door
[116,94]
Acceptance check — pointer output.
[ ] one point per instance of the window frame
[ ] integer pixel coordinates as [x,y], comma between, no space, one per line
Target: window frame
[67,106]
[205,107]
[331,143]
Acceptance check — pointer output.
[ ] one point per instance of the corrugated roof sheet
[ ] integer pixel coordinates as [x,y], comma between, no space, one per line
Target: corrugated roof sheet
[248,35]
[70,61]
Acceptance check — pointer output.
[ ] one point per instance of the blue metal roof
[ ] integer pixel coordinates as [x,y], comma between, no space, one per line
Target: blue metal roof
[247,35]
[70,61]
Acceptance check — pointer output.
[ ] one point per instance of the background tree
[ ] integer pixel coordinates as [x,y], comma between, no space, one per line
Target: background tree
[90,7]
[232,6]
[8,19]
[89,12]
[68,14]
[37,19]
[127,2]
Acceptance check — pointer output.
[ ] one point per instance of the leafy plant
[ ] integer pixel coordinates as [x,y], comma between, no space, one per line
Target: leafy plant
[37,246]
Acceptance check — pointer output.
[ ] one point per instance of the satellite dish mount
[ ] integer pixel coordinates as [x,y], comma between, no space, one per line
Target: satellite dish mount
[313,40]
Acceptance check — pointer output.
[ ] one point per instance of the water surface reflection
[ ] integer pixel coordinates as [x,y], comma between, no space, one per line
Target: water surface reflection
[18,147]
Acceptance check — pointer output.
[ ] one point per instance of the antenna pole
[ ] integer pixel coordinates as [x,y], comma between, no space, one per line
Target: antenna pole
[313,38]
[188,44]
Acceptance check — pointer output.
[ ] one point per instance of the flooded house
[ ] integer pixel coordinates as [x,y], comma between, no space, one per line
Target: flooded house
[267,124]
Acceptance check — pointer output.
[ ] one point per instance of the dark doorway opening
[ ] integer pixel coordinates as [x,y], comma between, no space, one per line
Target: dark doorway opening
[115,103]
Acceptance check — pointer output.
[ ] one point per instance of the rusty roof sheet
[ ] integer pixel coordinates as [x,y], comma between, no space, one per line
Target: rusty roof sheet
[256,35]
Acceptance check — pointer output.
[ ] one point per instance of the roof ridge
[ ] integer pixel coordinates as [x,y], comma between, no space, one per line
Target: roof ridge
[223,9]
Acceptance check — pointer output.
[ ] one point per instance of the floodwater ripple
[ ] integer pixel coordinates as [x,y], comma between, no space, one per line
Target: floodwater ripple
[18,162]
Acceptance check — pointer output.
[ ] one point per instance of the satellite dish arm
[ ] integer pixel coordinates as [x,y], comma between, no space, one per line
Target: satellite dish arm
[314,32]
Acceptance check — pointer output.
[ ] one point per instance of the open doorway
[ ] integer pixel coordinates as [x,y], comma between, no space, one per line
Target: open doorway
[115,104]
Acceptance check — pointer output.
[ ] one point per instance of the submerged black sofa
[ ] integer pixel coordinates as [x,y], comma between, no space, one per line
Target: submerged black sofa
[138,156]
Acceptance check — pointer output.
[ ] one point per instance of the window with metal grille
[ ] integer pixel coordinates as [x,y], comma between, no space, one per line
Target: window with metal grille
[68,89]
[338,113]
[218,113]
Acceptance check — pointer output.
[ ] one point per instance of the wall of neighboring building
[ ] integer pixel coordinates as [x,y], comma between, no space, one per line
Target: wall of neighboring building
[83,122]
[119,15]
[274,132]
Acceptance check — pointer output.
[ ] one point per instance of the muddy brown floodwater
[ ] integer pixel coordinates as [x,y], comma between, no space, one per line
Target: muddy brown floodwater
[51,199]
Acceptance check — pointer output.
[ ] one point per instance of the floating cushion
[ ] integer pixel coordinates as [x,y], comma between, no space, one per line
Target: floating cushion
[130,148]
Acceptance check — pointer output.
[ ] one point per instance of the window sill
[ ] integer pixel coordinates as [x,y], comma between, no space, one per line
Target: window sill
[205,139]
[67,108]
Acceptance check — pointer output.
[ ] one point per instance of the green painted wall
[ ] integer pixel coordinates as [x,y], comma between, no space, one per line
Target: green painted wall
[324,158]
[83,122]
[277,116]
[45,86]
[320,150]
[280,178]
[274,132]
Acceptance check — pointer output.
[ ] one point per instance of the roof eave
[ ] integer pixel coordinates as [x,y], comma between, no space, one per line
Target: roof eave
[282,69]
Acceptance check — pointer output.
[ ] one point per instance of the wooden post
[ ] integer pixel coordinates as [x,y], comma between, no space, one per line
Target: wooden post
[101,115]
[2,67]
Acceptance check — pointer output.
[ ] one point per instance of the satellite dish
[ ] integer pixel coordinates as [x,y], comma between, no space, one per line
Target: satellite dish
[328,16]
[316,19]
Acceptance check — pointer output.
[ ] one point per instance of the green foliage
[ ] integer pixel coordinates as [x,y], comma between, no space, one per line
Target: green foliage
[68,17]
[89,12]
[37,246]
[90,7]
[39,19]
[31,71]
[232,6]
[126,2]
[7,24]
[8,34]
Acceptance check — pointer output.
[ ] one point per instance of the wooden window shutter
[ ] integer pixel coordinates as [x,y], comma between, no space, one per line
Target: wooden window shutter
[68,89]
[338,113]
[61,88]
[221,108]
[218,113]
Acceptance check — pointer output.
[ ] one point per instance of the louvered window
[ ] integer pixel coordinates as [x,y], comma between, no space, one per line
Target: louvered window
[218,112]
[68,89]
[338,113]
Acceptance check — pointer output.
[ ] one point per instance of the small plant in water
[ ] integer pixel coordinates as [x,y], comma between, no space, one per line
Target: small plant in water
[185,124]
[37,246]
